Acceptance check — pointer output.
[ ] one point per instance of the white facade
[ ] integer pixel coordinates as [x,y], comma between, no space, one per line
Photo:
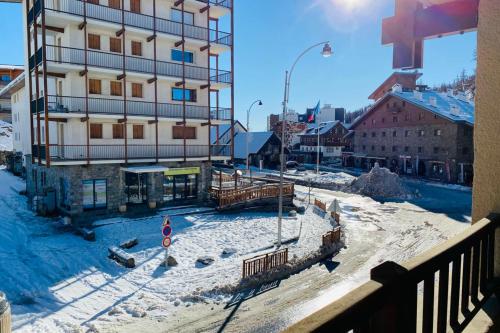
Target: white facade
[328,151]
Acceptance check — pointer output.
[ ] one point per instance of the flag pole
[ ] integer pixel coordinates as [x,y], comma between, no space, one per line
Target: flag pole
[317,149]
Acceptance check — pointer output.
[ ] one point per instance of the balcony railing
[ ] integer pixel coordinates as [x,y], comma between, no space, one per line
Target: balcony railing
[69,55]
[142,21]
[456,277]
[131,152]
[108,106]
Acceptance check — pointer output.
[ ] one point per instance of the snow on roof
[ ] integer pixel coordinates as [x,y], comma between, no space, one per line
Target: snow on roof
[323,128]
[12,84]
[3,66]
[449,106]
[5,136]
[256,140]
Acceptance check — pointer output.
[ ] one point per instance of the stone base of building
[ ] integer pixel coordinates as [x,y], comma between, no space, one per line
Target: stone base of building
[88,192]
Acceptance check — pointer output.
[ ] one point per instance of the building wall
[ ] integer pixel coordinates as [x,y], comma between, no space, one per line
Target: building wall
[382,135]
[20,122]
[486,192]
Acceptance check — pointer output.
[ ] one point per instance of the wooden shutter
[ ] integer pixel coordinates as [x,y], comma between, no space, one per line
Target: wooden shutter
[94,41]
[96,131]
[181,132]
[135,6]
[95,2]
[95,87]
[114,4]
[137,48]
[116,88]
[118,131]
[138,131]
[137,90]
[115,45]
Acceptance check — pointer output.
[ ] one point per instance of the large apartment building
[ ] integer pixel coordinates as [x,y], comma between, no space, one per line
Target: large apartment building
[123,96]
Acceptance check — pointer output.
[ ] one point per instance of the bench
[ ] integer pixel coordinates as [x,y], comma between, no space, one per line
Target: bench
[121,256]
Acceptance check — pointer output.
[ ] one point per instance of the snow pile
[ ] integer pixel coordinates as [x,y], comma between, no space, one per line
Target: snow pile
[5,136]
[380,183]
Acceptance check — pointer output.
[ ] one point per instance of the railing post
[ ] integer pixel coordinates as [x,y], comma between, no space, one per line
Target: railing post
[5,316]
[400,313]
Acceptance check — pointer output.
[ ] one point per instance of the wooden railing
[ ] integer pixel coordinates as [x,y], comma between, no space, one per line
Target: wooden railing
[320,204]
[331,237]
[264,262]
[457,278]
[230,197]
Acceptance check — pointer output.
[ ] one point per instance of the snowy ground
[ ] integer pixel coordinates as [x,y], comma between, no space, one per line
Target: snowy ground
[58,282]
[6,136]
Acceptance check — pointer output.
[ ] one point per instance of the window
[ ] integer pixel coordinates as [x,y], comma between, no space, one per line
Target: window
[364,134]
[135,6]
[394,149]
[404,103]
[383,120]
[383,134]
[176,55]
[420,149]
[407,133]
[189,94]
[138,131]
[94,42]
[176,15]
[95,194]
[116,88]
[436,150]
[421,133]
[394,134]
[118,131]
[137,90]
[95,87]
[407,149]
[374,121]
[181,132]
[394,119]
[373,148]
[437,132]
[374,134]
[382,148]
[465,150]
[137,48]
[407,117]
[115,45]
[421,116]
[43,178]
[467,131]
[114,4]
[364,147]
[96,131]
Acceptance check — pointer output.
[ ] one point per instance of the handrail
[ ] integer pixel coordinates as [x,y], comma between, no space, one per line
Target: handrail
[134,19]
[388,302]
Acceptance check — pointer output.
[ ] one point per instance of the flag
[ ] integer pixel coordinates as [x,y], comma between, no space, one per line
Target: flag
[312,113]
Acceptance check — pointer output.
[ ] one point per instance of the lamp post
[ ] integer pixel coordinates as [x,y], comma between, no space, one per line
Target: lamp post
[326,52]
[248,130]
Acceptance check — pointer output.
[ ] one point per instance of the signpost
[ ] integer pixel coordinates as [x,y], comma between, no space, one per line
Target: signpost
[166,231]
[335,208]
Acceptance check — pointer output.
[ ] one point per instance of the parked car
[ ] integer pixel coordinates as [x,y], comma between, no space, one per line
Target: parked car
[292,164]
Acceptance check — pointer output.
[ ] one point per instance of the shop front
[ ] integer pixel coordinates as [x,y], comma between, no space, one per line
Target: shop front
[180,184]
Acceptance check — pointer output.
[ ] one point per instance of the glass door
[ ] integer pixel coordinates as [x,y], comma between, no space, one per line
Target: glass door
[136,187]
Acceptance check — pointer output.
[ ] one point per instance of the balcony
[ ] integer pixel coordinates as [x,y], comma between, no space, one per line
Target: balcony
[107,106]
[76,153]
[141,21]
[66,55]
[456,279]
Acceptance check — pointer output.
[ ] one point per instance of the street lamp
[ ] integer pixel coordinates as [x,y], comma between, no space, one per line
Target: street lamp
[248,129]
[326,52]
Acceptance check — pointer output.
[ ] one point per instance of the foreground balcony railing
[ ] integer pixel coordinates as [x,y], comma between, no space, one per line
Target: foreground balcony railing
[67,104]
[457,278]
[74,56]
[141,21]
[130,152]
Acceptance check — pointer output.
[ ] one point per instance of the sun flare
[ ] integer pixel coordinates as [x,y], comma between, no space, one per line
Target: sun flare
[350,5]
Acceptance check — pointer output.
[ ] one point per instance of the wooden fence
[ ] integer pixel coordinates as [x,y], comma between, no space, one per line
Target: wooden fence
[264,262]
[230,197]
[321,205]
[331,237]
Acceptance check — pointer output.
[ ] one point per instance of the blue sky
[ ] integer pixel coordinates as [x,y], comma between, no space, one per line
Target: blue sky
[269,34]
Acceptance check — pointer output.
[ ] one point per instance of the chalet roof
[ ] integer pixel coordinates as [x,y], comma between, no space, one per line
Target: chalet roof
[13,85]
[323,128]
[256,141]
[11,67]
[449,106]
[394,77]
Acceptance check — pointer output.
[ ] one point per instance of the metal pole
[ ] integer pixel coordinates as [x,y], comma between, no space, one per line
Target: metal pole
[282,160]
[317,152]
[247,135]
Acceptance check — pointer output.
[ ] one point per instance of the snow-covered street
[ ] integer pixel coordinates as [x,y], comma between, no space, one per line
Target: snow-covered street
[57,282]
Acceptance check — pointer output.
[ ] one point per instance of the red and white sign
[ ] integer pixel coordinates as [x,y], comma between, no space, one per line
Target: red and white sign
[166,231]
[167,241]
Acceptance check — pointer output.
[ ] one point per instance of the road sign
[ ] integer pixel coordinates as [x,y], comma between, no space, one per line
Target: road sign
[335,207]
[166,242]
[167,230]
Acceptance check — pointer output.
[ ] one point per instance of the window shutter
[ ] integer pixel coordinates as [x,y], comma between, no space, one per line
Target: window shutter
[137,90]
[94,41]
[138,131]
[114,4]
[136,48]
[135,6]
[95,87]
[115,45]
[118,132]
[116,88]
[96,131]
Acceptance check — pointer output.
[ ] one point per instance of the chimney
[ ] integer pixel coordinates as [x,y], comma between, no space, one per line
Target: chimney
[455,110]
[397,88]
[418,95]
[433,101]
